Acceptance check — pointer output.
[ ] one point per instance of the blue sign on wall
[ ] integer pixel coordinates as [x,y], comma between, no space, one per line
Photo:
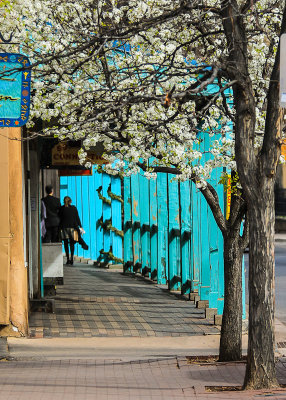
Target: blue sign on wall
[15,83]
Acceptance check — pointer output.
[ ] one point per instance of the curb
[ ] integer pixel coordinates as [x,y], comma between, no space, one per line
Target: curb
[4,351]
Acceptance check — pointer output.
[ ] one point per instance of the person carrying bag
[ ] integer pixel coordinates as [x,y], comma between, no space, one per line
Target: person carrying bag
[70,229]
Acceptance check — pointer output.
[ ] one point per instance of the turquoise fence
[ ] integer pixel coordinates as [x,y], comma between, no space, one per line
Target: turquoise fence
[171,235]
[98,200]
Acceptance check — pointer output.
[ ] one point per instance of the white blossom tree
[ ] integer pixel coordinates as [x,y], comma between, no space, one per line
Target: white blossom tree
[145,77]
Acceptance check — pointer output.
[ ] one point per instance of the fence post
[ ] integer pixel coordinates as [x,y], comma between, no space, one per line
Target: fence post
[154,228]
[127,227]
[98,217]
[145,223]
[93,204]
[163,254]
[174,235]
[137,260]
[213,245]
[196,242]
[186,235]
[106,211]
[86,214]
[116,218]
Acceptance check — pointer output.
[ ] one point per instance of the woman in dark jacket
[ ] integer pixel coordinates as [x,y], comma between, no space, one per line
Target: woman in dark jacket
[69,227]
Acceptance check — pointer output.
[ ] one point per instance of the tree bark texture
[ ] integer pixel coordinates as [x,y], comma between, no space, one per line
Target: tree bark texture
[260,371]
[231,332]
[234,245]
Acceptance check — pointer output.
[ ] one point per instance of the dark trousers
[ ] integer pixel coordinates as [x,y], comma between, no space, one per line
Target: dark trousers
[69,243]
[52,234]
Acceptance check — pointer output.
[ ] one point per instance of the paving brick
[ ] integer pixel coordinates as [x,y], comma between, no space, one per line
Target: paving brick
[102,302]
[172,378]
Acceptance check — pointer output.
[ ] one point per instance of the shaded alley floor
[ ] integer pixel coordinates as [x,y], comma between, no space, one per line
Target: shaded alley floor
[96,302]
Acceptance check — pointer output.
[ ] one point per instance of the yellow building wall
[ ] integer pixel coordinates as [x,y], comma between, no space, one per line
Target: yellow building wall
[13,273]
[4,229]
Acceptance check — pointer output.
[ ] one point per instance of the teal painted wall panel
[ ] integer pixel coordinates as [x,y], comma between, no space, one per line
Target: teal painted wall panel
[186,234]
[145,223]
[174,278]
[127,226]
[205,251]
[136,224]
[214,254]
[106,212]
[87,204]
[116,218]
[80,207]
[98,218]
[163,229]
[63,192]
[205,287]
[153,228]
[92,219]
[63,188]
[73,193]
[196,242]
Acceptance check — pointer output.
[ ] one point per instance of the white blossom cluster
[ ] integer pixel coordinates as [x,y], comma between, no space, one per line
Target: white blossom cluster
[136,76]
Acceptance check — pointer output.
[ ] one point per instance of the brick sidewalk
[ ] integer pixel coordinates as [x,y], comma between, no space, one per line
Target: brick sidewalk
[96,302]
[169,378]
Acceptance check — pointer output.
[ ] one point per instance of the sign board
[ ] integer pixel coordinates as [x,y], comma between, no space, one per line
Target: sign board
[62,154]
[15,84]
[74,172]
[228,197]
[283,149]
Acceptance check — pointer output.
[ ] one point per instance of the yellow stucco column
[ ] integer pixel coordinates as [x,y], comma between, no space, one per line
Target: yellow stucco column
[17,273]
[4,230]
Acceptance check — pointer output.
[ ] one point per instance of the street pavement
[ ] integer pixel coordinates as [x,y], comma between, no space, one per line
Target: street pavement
[165,378]
[280,292]
[280,281]
[122,337]
[280,276]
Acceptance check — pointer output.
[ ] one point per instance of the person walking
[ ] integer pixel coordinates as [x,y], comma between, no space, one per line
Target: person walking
[51,220]
[70,228]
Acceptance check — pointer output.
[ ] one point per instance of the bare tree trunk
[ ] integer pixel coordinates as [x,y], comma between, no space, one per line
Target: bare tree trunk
[231,332]
[260,371]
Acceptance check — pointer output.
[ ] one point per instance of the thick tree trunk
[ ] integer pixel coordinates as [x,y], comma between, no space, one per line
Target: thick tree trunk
[231,332]
[260,371]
